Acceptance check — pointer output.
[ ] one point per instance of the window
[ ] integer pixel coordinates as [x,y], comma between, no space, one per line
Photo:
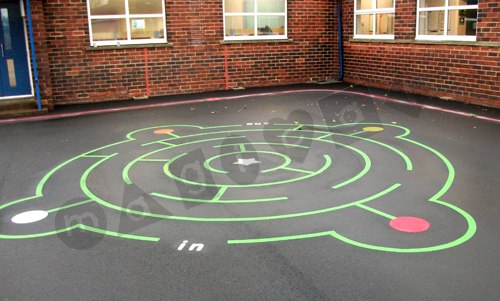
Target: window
[255,19]
[374,19]
[447,20]
[118,22]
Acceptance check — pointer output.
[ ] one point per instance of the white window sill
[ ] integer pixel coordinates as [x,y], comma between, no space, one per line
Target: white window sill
[374,37]
[253,41]
[427,42]
[445,38]
[129,46]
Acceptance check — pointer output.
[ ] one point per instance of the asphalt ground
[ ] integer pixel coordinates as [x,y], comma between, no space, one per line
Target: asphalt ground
[292,193]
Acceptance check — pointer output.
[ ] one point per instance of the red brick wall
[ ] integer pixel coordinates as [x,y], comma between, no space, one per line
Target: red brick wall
[466,73]
[37,11]
[194,63]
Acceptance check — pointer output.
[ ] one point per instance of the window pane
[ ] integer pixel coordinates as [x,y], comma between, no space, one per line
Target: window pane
[385,3]
[240,26]
[145,6]
[271,25]
[432,3]
[146,28]
[363,4]
[109,30]
[385,23]
[364,24]
[462,22]
[431,23]
[107,7]
[271,6]
[238,6]
[6,29]
[463,2]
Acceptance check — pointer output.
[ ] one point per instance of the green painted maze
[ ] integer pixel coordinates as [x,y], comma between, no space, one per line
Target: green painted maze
[342,165]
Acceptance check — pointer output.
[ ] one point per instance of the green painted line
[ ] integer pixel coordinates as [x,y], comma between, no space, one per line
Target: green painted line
[297,128]
[219,194]
[349,241]
[31,198]
[183,199]
[207,162]
[70,206]
[208,167]
[298,170]
[154,160]
[117,234]
[39,188]
[104,203]
[242,147]
[447,163]
[126,170]
[373,210]
[217,133]
[401,250]
[264,143]
[276,239]
[46,177]
[222,126]
[103,147]
[285,124]
[406,159]
[94,156]
[356,133]
[161,142]
[285,164]
[325,136]
[174,135]
[166,169]
[472,227]
[364,156]
[82,227]
[131,134]
[37,235]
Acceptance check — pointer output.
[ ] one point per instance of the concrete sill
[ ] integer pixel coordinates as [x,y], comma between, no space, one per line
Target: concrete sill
[420,42]
[140,46]
[256,41]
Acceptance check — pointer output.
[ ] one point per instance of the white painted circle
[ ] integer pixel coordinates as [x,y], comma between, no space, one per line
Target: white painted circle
[29,217]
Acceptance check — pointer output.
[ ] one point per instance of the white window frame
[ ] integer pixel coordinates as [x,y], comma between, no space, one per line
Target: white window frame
[127,16]
[373,11]
[445,36]
[256,14]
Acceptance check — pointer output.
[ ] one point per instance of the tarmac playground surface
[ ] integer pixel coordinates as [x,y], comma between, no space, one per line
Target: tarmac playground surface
[291,193]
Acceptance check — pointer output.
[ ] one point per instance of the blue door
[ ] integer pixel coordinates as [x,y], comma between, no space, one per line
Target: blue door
[14,68]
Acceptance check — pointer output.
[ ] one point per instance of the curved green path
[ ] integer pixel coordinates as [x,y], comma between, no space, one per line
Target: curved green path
[172,143]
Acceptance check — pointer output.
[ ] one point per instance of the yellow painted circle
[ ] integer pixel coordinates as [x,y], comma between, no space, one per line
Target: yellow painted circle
[163,131]
[373,129]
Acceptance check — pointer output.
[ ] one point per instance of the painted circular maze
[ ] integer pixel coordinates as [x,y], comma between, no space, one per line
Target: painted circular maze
[367,185]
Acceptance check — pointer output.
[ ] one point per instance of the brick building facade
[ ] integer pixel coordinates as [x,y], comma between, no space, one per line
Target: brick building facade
[193,59]
[461,70]
[200,51]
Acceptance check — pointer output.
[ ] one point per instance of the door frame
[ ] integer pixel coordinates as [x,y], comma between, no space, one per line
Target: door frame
[28,56]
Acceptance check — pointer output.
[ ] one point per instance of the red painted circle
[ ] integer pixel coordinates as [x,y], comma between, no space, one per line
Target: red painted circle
[409,224]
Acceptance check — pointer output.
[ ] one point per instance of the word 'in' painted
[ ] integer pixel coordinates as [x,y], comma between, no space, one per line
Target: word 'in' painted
[198,247]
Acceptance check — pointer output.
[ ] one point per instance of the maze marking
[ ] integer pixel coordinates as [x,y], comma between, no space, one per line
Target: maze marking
[183,140]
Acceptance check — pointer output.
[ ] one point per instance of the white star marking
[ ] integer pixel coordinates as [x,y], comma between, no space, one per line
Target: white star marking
[246,162]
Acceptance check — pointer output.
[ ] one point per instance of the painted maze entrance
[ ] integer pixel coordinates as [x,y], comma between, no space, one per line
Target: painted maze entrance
[321,181]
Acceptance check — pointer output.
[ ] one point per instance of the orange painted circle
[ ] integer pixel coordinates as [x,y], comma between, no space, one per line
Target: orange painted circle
[163,131]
